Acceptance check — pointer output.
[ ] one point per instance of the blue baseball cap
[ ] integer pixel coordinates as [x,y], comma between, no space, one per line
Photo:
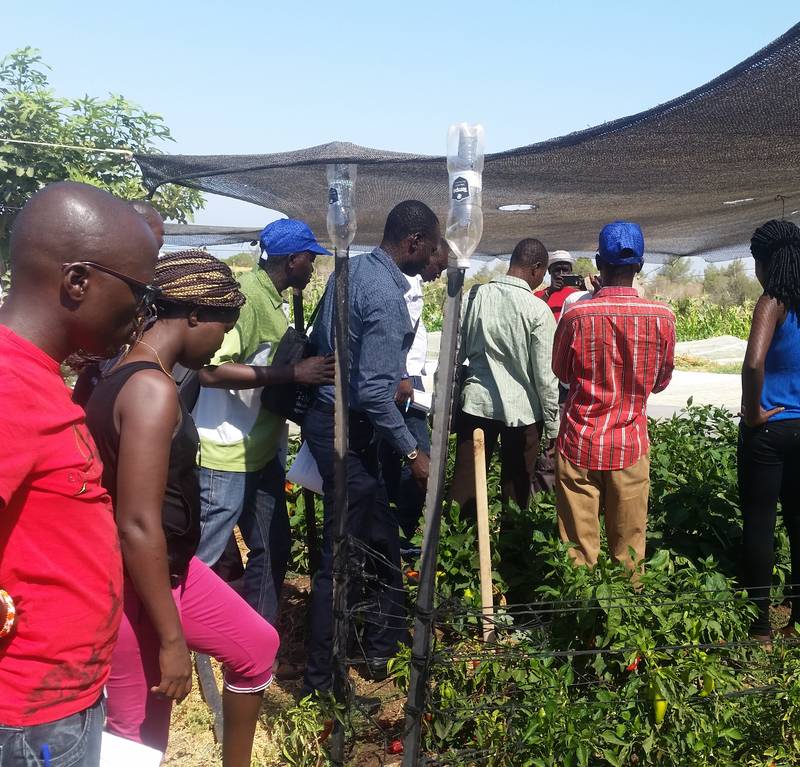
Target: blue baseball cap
[286,236]
[621,244]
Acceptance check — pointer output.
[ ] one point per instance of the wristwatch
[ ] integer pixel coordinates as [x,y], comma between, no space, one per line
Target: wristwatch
[412,456]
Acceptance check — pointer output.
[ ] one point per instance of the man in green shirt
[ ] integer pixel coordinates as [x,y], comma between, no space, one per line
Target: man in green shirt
[241,475]
[508,389]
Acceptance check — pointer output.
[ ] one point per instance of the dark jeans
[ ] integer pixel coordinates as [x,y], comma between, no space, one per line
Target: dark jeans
[404,493]
[519,449]
[73,741]
[257,502]
[769,471]
[544,477]
[369,521]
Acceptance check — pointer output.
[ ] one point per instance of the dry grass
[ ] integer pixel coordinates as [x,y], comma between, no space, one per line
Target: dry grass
[191,735]
[698,365]
[191,742]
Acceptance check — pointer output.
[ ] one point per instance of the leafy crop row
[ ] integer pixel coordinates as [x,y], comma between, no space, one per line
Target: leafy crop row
[591,668]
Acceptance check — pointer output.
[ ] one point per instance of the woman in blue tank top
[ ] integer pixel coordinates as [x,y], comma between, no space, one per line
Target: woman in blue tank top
[769,433]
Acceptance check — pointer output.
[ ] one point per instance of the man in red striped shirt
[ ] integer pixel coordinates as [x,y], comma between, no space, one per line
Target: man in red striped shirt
[612,351]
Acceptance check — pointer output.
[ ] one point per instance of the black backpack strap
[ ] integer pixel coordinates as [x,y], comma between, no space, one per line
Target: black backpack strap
[188,382]
[317,308]
[473,291]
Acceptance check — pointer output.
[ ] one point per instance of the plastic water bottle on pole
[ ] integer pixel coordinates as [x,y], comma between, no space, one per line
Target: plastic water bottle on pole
[464,231]
[342,224]
[465,170]
[341,230]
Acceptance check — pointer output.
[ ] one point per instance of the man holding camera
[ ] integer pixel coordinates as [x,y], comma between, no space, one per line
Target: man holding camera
[562,282]
[563,289]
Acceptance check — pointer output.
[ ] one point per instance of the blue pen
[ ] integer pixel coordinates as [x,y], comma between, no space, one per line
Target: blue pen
[46,755]
[408,404]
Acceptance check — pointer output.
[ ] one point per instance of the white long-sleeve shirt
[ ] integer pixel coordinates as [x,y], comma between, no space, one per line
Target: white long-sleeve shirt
[417,354]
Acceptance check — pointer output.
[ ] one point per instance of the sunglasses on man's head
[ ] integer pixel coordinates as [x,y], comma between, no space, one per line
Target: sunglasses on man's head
[145,293]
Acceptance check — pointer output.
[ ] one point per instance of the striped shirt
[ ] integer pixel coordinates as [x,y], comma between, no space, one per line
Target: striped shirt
[612,351]
[507,337]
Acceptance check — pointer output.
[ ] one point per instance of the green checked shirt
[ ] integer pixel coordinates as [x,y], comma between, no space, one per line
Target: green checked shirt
[507,338]
[236,433]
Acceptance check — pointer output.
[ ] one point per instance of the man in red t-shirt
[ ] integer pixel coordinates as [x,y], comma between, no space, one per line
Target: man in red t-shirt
[559,265]
[81,261]
[612,351]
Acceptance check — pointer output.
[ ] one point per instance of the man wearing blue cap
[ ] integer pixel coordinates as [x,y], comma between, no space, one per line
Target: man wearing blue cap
[612,351]
[241,476]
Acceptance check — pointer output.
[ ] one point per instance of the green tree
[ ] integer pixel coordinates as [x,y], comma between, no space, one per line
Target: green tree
[730,285]
[677,270]
[585,267]
[30,110]
[243,260]
[673,279]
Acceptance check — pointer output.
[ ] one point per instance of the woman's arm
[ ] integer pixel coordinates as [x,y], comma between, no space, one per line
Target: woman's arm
[313,371]
[147,412]
[767,315]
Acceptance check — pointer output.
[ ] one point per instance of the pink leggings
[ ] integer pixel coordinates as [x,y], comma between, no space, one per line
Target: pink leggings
[216,621]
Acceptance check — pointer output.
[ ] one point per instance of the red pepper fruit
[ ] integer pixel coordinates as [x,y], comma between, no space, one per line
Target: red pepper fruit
[395,747]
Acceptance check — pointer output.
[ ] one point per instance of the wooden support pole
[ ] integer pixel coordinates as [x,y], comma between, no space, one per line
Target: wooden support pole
[341,623]
[423,623]
[210,692]
[341,222]
[484,546]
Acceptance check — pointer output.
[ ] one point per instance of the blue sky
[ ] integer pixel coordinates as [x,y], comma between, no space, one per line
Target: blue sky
[264,76]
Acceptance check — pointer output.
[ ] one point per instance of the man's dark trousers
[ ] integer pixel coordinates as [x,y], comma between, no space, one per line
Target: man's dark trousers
[369,521]
[404,492]
[519,449]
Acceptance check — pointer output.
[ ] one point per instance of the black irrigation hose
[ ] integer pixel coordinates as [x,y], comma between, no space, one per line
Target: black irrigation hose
[508,652]
[766,691]
[517,688]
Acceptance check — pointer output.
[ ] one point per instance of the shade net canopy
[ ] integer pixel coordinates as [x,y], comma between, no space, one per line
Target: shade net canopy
[699,173]
[196,236]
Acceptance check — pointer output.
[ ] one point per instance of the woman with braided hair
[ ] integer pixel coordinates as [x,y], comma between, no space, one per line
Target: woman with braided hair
[148,443]
[769,433]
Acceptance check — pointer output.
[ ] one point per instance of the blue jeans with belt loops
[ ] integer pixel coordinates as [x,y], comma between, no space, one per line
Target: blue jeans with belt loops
[73,741]
[256,501]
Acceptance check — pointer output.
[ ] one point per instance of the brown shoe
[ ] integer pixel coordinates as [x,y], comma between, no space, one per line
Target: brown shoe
[764,639]
[789,631]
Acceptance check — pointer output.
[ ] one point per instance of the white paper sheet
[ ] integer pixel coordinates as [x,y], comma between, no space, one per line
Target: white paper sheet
[422,400]
[120,752]
[304,471]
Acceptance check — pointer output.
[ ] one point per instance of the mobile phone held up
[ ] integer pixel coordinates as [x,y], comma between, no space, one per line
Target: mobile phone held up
[574,281]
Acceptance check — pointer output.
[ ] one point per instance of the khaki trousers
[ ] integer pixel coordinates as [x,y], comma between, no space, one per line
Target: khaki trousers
[582,494]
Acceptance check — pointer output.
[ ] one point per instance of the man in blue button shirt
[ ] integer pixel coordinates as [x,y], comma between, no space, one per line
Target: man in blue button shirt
[380,337]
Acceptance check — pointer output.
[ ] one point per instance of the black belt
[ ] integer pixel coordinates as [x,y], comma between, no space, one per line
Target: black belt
[324,407]
[329,409]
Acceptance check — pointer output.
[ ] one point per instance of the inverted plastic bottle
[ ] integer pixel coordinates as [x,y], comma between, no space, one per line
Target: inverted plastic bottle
[465,170]
[341,220]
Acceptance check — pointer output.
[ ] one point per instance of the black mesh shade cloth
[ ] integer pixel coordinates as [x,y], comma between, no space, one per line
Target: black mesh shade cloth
[197,236]
[699,172]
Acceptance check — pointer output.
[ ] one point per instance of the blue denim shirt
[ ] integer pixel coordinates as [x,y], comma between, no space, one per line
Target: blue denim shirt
[380,337]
